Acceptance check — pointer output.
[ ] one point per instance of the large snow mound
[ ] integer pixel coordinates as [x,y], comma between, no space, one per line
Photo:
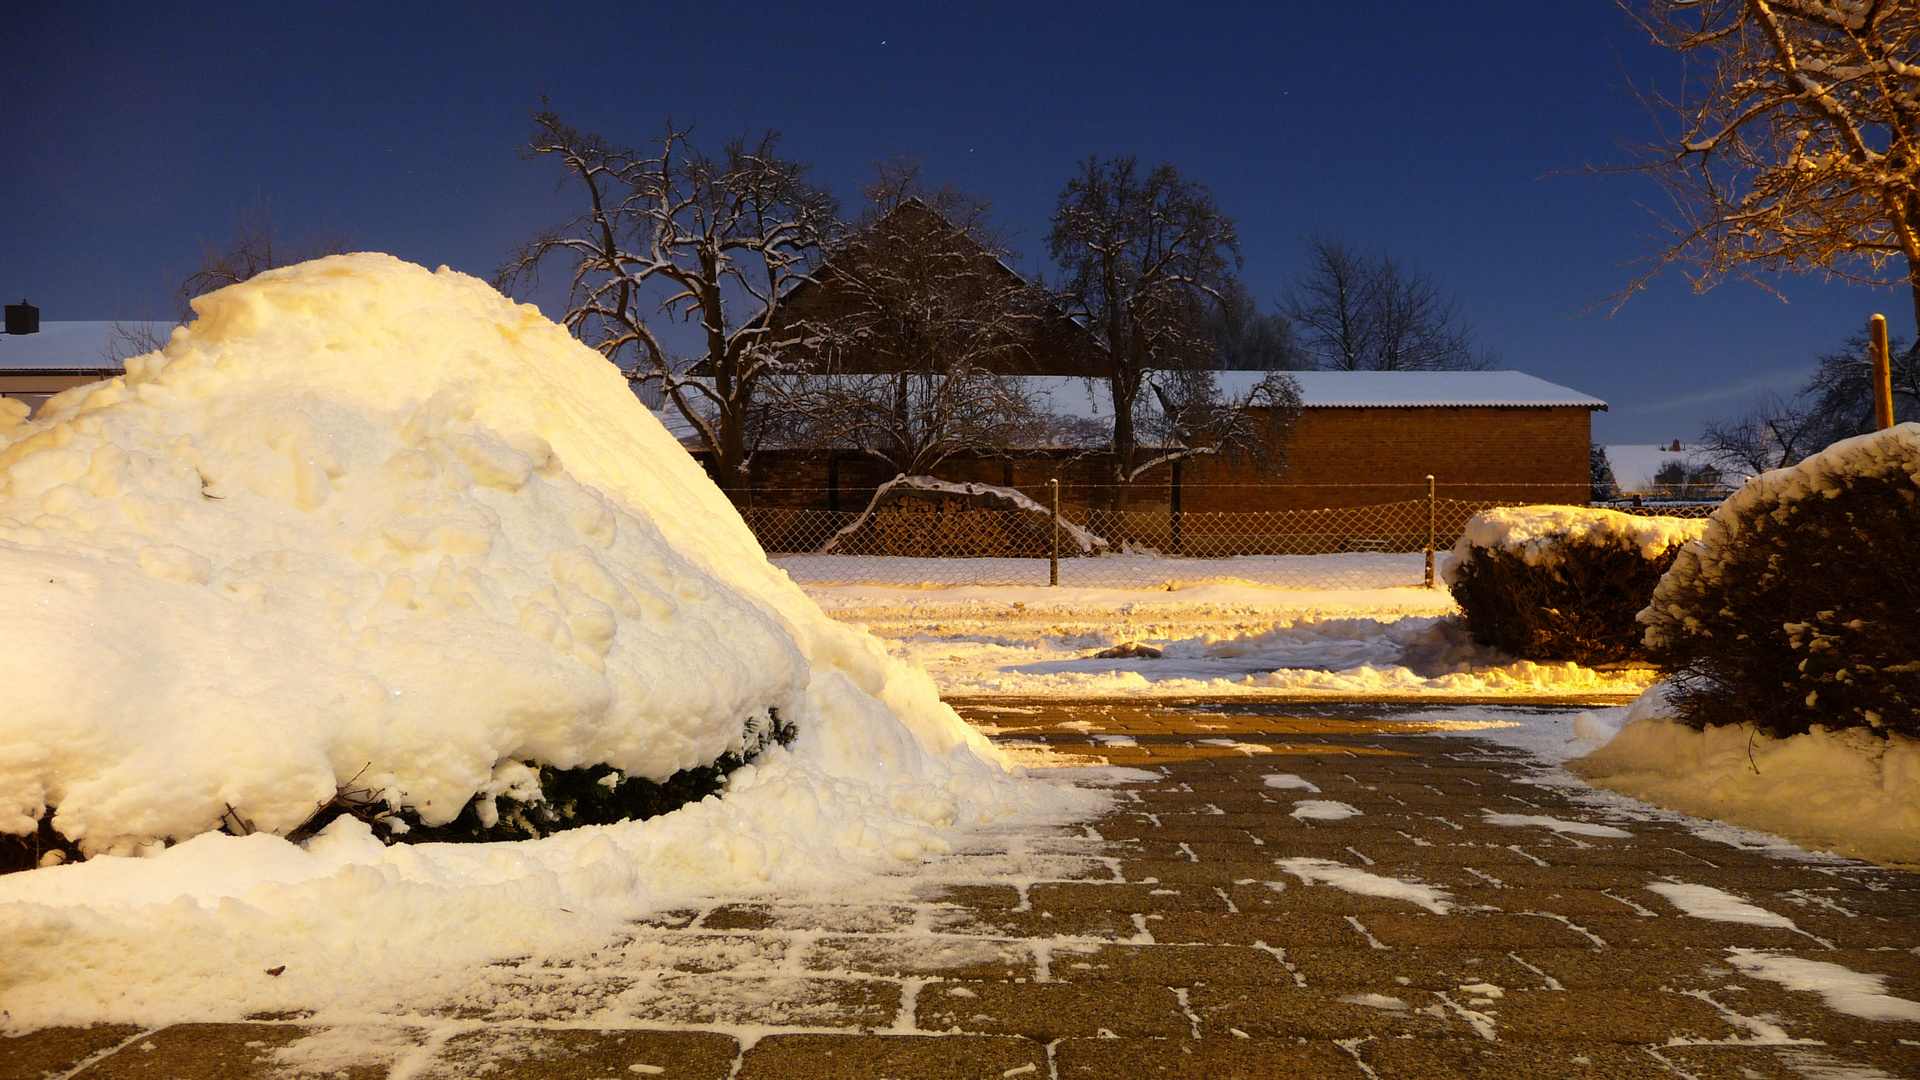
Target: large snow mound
[1539,534]
[361,521]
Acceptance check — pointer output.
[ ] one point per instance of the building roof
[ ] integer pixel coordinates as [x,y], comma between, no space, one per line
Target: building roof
[74,347]
[1070,396]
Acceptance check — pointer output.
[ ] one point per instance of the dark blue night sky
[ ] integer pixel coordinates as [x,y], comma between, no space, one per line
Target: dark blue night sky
[1453,134]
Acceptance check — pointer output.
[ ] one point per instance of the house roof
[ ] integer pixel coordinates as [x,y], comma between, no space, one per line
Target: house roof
[1069,396]
[72,348]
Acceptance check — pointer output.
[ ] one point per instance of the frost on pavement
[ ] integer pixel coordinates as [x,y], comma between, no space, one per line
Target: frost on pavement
[364,522]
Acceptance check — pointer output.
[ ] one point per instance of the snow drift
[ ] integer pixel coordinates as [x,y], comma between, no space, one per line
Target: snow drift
[365,522]
[1854,792]
[1541,535]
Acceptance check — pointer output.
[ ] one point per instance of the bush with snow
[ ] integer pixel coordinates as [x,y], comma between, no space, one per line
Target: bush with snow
[1561,582]
[366,528]
[1800,605]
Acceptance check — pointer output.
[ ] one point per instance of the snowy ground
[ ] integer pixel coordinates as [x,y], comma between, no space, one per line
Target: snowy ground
[1213,639]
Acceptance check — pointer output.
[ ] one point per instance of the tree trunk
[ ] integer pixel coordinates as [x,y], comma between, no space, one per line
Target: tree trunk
[730,457]
[1913,288]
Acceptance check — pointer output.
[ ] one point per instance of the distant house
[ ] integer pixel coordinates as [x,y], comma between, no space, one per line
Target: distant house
[61,355]
[1050,343]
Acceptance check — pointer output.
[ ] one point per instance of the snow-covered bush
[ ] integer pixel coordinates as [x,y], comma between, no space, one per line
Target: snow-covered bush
[1561,582]
[372,535]
[1800,605]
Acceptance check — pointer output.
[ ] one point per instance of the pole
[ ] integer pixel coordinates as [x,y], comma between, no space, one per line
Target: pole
[1053,561]
[1882,376]
[1429,530]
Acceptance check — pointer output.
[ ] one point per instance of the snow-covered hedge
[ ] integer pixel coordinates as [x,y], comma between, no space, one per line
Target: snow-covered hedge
[1561,582]
[368,533]
[1800,605]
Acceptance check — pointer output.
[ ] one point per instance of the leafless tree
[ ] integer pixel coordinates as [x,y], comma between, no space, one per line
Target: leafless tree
[1194,420]
[1245,338]
[1371,312]
[716,243]
[1769,434]
[1143,257]
[1840,393]
[1795,138]
[912,421]
[916,321]
[254,247]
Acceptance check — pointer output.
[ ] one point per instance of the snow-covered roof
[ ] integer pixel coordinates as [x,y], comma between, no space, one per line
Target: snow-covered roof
[71,346]
[1064,395]
[1416,389]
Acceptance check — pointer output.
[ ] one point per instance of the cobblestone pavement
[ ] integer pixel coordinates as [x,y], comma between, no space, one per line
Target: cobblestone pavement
[1194,932]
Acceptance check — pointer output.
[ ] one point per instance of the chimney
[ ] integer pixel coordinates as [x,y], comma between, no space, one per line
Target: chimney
[23,318]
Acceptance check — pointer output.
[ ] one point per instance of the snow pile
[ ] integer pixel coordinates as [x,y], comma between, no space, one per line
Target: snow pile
[1854,792]
[365,521]
[988,496]
[362,522]
[1540,535]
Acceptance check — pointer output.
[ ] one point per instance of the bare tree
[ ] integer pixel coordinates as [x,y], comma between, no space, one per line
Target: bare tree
[1770,434]
[917,322]
[1794,144]
[1365,312]
[1245,338]
[1194,420]
[1143,257]
[716,243]
[254,247]
[1840,394]
[911,421]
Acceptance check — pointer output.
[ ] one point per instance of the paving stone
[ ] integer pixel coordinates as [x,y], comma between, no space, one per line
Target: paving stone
[707,1000]
[896,1057]
[1478,1059]
[1199,1059]
[56,1051]
[208,1052]
[946,957]
[561,1054]
[1051,1010]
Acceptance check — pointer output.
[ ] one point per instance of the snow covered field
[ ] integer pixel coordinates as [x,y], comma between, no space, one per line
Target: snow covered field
[1212,639]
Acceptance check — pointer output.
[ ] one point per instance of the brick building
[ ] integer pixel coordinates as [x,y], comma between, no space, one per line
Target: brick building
[1362,438]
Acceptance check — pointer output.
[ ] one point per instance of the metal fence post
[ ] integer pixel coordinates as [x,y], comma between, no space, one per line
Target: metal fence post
[1429,530]
[1053,560]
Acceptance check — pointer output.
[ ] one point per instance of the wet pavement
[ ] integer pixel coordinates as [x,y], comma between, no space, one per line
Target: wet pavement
[1405,905]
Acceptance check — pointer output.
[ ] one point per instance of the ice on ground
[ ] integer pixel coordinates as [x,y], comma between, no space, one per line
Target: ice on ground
[1843,989]
[1374,1001]
[1289,780]
[1340,876]
[362,522]
[1707,902]
[1855,792]
[1576,828]
[1322,810]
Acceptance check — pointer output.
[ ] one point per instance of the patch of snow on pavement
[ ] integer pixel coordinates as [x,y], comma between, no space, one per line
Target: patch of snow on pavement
[1339,876]
[1843,989]
[1322,810]
[1576,828]
[1707,902]
[1289,780]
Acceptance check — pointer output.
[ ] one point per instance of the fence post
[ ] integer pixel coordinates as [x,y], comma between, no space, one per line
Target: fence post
[1053,560]
[1882,376]
[1429,530]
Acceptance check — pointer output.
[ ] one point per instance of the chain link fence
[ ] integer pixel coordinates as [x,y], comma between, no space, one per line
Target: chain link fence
[934,543]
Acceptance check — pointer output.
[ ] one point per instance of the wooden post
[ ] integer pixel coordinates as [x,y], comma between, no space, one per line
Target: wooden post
[1429,530]
[1882,376]
[1053,561]
[1174,508]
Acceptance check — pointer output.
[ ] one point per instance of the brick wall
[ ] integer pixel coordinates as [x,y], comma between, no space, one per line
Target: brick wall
[1373,455]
